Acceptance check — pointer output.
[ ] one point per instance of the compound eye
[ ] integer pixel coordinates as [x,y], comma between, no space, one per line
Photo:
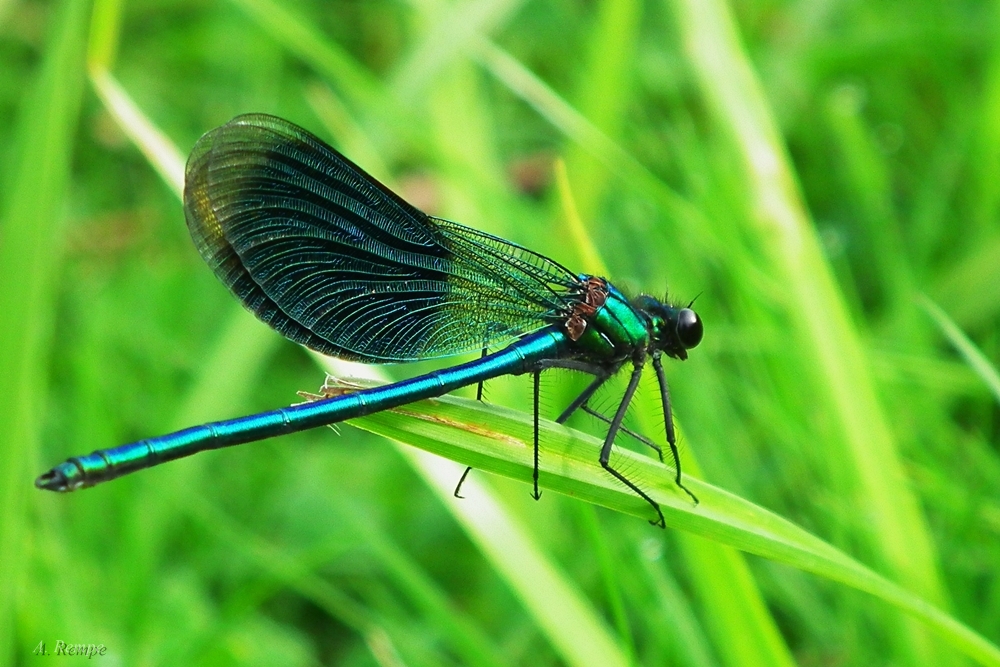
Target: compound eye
[689,329]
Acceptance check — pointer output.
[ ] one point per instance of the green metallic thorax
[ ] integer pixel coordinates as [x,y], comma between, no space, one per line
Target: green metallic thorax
[616,331]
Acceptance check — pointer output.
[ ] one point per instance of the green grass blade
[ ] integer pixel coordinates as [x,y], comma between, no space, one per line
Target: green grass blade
[562,613]
[468,640]
[158,149]
[970,287]
[689,642]
[31,244]
[897,531]
[498,440]
[292,571]
[610,577]
[719,574]
[606,93]
[984,169]
[450,30]
[523,83]
[314,48]
[864,167]
[359,87]
[972,354]
[590,259]
[105,28]
[5,7]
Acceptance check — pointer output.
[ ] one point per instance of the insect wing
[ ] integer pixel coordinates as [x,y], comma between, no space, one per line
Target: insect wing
[332,259]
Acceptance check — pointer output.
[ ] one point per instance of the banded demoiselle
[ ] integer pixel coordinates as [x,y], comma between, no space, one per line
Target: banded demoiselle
[334,260]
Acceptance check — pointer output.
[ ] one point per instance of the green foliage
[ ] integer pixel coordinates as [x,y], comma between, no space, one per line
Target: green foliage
[827,179]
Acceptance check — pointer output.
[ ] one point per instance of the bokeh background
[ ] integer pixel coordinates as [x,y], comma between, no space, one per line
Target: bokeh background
[823,175]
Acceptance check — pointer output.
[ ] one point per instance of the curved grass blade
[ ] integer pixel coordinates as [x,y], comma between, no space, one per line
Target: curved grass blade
[866,451]
[718,573]
[498,440]
[972,354]
[563,614]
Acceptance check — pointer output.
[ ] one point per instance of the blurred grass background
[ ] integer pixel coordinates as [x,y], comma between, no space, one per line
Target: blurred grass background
[807,168]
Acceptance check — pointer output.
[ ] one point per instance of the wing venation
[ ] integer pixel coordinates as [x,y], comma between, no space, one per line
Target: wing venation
[332,259]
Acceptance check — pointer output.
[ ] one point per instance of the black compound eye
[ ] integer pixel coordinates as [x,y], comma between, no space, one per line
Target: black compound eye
[689,329]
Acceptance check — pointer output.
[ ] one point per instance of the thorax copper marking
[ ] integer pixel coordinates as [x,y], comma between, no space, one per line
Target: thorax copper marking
[595,294]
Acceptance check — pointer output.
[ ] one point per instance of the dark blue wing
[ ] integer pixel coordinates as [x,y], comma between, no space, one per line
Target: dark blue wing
[332,259]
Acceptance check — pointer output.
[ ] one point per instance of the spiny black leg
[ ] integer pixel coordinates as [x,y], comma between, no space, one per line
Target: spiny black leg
[479,397]
[462,481]
[638,436]
[668,417]
[609,441]
[537,494]
[580,403]
[479,387]
[582,399]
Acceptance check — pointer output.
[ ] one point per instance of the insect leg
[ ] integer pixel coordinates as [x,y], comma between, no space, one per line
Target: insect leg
[537,494]
[581,400]
[479,387]
[462,481]
[479,397]
[609,441]
[580,403]
[638,436]
[668,418]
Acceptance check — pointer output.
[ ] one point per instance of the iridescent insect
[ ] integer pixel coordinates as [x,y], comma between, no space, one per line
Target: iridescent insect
[332,259]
